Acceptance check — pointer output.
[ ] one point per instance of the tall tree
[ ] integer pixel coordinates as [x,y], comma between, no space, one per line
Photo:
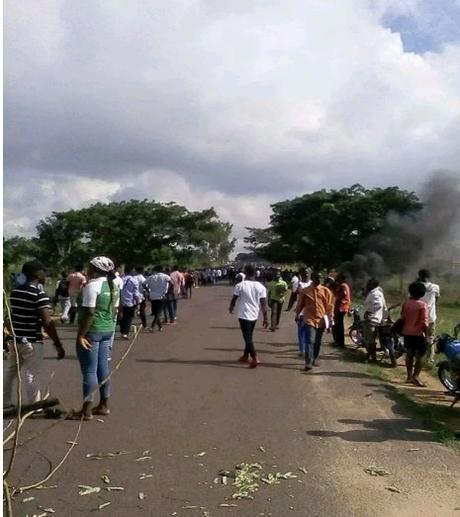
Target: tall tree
[327,227]
[135,232]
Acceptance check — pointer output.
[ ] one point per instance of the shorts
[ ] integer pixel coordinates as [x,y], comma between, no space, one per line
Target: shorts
[415,344]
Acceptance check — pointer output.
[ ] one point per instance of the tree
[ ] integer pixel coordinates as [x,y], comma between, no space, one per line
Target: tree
[327,227]
[17,250]
[135,232]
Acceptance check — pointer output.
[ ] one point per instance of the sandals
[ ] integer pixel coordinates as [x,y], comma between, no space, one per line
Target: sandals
[418,382]
[101,412]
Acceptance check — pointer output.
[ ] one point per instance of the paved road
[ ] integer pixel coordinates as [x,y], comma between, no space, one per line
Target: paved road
[181,393]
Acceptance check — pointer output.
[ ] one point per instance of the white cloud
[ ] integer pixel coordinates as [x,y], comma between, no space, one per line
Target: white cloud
[242,103]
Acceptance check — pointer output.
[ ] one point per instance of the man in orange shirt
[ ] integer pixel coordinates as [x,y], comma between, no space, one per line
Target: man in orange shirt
[317,303]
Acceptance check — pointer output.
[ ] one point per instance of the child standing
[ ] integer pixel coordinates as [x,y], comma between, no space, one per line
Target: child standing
[415,315]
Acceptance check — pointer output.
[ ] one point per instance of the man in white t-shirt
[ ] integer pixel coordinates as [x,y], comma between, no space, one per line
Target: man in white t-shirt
[251,297]
[294,285]
[158,286]
[431,296]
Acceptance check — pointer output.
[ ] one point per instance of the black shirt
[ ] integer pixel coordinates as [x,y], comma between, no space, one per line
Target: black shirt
[26,303]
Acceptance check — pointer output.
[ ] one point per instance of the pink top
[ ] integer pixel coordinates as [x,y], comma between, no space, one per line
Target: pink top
[177,279]
[415,316]
[76,281]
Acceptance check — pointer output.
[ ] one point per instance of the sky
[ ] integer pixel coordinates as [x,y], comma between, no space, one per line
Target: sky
[234,104]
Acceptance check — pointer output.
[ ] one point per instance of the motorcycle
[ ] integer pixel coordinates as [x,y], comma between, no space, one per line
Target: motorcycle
[449,369]
[391,344]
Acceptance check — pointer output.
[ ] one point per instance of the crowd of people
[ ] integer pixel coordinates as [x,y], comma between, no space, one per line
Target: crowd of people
[100,297]
[321,304]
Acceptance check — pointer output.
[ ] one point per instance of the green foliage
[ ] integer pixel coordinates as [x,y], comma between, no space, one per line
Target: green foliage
[17,250]
[327,227]
[133,232]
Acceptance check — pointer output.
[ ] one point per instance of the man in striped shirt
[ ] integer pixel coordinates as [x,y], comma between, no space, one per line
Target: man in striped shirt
[30,311]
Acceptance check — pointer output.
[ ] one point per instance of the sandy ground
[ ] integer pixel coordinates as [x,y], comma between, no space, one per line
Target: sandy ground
[183,403]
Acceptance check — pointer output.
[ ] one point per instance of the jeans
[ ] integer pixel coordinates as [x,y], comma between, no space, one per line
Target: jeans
[65,308]
[127,315]
[276,308]
[247,329]
[338,331]
[95,365]
[142,315]
[369,337]
[302,334]
[313,343]
[30,366]
[170,309]
[157,307]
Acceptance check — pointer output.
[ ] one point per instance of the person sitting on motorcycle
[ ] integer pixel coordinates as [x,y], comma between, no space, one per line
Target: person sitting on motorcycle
[374,309]
[450,347]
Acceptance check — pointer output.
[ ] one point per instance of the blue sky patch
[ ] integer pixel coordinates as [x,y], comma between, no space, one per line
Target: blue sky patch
[436,23]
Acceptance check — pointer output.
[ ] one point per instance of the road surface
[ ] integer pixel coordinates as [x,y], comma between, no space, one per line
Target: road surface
[183,409]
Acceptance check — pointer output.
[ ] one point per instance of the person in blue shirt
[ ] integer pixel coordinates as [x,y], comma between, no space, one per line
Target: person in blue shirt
[130,298]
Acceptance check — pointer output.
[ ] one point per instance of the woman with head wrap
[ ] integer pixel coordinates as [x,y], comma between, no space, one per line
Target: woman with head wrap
[97,310]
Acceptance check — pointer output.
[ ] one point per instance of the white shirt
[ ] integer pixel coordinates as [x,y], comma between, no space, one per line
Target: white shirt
[249,293]
[92,290]
[300,286]
[432,293]
[375,305]
[294,283]
[158,285]
[118,281]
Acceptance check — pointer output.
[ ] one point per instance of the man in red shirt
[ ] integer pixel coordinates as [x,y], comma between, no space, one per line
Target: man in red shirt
[342,305]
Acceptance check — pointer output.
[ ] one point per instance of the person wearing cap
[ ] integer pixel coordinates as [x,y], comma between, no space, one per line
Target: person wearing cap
[97,308]
[30,311]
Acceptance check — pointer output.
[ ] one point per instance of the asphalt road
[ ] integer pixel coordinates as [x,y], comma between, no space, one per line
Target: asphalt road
[184,405]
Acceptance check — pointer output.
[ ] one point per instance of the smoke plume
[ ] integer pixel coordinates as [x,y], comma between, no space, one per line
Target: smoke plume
[407,243]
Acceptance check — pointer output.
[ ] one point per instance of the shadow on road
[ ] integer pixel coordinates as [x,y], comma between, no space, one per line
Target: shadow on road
[379,430]
[228,364]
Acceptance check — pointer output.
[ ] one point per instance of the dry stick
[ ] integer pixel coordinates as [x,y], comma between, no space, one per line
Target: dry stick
[74,441]
[9,506]
[19,420]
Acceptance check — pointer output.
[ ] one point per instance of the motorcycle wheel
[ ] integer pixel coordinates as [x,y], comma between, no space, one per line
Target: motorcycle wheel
[445,377]
[356,336]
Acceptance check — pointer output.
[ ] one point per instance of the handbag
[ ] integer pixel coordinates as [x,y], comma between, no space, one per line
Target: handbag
[398,326]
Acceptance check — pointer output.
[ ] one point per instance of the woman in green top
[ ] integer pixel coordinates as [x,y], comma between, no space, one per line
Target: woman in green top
[96,318]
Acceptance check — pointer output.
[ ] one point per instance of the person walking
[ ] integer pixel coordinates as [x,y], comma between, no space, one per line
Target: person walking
[415,315]
[276,290]
[374,309]
[30,311]
[76,282]
[294,285]
[143,293]
[189,284]
[158,285]
[130,298]
[62,297]
[97,311]
[251,296]
[302,329]
[432,294]
[342,305]
[316,303]
[177,280]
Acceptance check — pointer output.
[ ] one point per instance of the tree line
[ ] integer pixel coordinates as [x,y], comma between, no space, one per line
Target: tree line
[130,232]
